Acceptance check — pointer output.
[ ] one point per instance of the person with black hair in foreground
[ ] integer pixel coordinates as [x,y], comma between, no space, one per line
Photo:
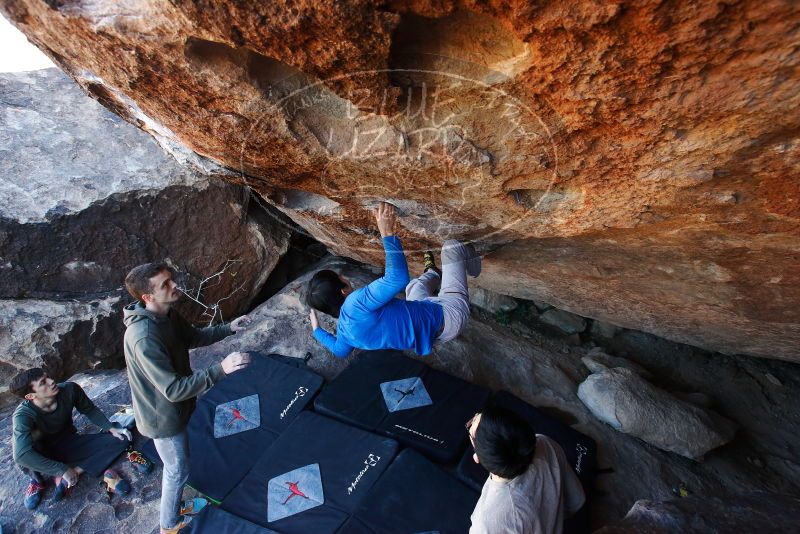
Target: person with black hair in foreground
[531,487]
[371,318]
[46,443]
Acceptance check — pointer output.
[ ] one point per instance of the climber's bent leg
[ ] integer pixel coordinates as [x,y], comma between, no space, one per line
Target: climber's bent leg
[423,287]
[458,260]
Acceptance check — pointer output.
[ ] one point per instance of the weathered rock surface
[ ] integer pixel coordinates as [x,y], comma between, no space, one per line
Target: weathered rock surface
[281,325]
[566,322]
[491,301]
[637,161]
[84,197]
[603,330]
[63,337]
[630,404]
[751,512]
[597,361]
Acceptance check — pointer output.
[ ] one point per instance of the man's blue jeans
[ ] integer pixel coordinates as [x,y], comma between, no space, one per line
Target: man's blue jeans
[174,453]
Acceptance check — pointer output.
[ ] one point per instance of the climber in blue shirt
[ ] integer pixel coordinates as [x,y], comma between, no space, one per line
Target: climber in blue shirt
[372,318]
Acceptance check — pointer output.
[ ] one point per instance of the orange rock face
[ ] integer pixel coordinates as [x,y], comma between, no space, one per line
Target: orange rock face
[636,162]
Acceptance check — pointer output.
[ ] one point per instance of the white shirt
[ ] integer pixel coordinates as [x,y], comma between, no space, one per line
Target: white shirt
[535,501]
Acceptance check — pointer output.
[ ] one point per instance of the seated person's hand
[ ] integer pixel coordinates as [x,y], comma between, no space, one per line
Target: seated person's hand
[70,476]
[120,433]
[235,361]
[385,216]
[240,323]
[314,321]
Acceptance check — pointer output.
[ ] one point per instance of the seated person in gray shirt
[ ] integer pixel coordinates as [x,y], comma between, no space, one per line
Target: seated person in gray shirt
[531,487]
[46,443]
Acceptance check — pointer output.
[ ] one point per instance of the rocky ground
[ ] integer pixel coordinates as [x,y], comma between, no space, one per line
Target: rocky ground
[517,351]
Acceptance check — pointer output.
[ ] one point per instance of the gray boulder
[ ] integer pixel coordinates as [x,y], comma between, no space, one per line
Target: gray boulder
[603,330]
[84,197]
[756,511]
[62,337]
[597,361]
[566,322]
[491,301]
[630,404]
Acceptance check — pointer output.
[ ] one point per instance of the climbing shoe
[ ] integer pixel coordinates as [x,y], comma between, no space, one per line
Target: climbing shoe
[114,483]
[140,464]
[61,489]
[183,522]
[33,495]
[429,263]
[193,506]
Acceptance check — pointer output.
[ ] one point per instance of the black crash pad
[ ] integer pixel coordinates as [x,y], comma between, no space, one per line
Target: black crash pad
[430,407]
[240,417]
[213,520]
[414,495]
[312,477]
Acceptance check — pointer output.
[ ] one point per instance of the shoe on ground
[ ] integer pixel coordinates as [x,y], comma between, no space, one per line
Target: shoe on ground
[193,506]
[115,483]
[33,495]
[140,464]
[183,521]
[61,489]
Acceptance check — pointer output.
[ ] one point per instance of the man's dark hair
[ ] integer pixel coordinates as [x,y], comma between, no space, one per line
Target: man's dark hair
[21,383]
[138,280]
[324,292]
[504,442]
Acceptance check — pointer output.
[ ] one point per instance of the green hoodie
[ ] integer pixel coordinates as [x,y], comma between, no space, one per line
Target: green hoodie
[163,387]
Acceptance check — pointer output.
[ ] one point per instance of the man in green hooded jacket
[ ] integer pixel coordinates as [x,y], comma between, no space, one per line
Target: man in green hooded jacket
[163,385]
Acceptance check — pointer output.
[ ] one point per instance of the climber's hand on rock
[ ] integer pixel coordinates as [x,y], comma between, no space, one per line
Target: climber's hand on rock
[235,361]
[385,216]
[314,321]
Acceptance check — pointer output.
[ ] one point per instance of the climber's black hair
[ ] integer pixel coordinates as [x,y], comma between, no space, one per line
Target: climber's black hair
[504,442]
[324,292]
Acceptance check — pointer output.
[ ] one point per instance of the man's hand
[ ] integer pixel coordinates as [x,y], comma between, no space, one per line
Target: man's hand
[385,216]
[70,476]
[235,361]
[240,323]
[121,433]
[314,321]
